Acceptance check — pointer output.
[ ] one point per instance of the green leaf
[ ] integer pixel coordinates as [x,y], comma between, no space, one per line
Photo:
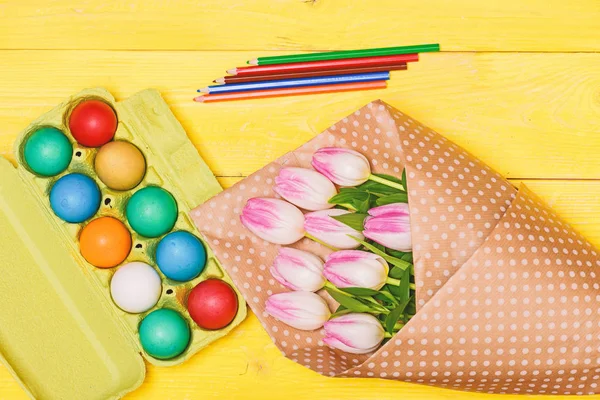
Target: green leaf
[408,257]
[394,290]
[340,308]
[348,196]
[377,188]
[377,245]
[396,273]
[395,253]
[389,178]
[393,317]
[358,291]
[404,288]
[386,296]
[340,313]
[404,182]
[392,260]
[392,199]
[353,220]
[362,205]
[349,302]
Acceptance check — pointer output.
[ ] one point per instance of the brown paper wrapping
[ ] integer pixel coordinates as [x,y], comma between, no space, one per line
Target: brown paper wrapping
[507,293]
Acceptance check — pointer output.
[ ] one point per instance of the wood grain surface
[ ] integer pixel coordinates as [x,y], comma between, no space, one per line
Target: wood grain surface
[517,84]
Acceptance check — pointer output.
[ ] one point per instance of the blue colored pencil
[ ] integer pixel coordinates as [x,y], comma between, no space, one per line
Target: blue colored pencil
[291,83]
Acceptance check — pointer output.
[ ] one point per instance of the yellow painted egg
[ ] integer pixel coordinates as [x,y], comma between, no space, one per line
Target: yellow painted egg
[120,165]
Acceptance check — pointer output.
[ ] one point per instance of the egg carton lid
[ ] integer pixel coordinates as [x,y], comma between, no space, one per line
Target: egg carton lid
[75,349]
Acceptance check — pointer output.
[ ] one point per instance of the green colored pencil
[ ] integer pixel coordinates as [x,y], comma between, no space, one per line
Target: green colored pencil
[336,55]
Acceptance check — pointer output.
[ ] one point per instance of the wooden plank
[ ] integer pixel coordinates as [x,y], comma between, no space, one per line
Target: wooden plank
[528,115]
[253,368]
[462,25]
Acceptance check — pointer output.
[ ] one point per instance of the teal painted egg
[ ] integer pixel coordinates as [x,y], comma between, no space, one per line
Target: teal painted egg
[47,152]
[164,334]
[151,211]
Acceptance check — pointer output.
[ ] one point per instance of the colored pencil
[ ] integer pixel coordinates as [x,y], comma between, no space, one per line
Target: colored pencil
[336,55]
[324,65]
[288,83]
[257,94]
[259,78]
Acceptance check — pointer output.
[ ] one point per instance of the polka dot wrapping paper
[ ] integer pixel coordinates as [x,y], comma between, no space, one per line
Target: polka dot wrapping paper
[507,293]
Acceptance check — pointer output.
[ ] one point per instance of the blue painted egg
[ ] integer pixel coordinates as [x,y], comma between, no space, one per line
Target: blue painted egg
[180,256]
[75,198]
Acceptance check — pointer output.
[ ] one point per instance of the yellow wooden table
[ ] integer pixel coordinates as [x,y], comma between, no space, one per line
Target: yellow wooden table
[517,83]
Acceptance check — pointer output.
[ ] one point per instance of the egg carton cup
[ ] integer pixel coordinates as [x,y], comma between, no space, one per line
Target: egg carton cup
[507,292]
[62,335]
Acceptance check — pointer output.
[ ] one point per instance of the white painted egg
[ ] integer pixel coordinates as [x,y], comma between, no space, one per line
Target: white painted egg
[135,287]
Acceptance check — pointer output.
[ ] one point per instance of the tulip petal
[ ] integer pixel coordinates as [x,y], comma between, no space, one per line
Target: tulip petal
[355,268]
[273,220]
[355,332]
[389,226]
[305,188]
[301,310]
[335,233]
[298,270]
[344,167]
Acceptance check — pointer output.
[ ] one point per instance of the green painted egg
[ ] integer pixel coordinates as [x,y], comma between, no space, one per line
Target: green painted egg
[151,211]
[164,334]
[48,152]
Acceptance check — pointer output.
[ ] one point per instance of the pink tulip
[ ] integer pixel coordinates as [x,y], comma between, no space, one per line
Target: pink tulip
[354,333]
[305,188]
[344,167]
[298,270]
[302,310]
[356,268]
[389,226]
[273,220]
[321,226]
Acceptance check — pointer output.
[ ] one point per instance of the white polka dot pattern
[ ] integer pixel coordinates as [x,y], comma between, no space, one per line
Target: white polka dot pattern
[510,295]
[455,201]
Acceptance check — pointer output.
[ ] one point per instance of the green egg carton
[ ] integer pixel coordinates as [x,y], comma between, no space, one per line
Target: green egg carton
[61,335]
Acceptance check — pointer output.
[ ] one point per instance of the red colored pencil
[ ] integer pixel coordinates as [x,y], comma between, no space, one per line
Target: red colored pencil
[258,78]
[323,65]
[257,94]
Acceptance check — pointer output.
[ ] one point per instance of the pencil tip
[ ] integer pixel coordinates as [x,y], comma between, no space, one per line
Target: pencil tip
[232,71]
[199,99]
[220,80]
[203,90]
[254,61]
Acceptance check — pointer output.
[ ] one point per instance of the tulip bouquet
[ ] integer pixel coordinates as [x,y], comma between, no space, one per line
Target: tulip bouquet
[368,231]
[381,249]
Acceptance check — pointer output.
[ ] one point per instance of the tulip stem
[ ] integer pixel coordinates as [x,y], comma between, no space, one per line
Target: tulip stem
[392,281]
[311,237]
[387,335]
[386,182]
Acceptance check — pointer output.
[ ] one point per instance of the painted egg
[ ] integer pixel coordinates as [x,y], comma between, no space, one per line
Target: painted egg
[164,334]
[151,211]
[120,165]
[47,152]
[180,256]
[93,123]
[75,198]
[105,242]
[135,287]
[212,304]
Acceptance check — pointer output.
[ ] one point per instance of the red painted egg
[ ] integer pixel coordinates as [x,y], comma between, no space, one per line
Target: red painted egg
[93,123]
[212,304]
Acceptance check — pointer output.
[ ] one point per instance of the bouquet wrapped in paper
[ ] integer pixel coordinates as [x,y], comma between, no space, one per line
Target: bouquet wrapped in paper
[507,294]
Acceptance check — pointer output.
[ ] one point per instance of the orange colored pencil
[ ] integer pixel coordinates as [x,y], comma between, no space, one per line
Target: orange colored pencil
[259,94]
